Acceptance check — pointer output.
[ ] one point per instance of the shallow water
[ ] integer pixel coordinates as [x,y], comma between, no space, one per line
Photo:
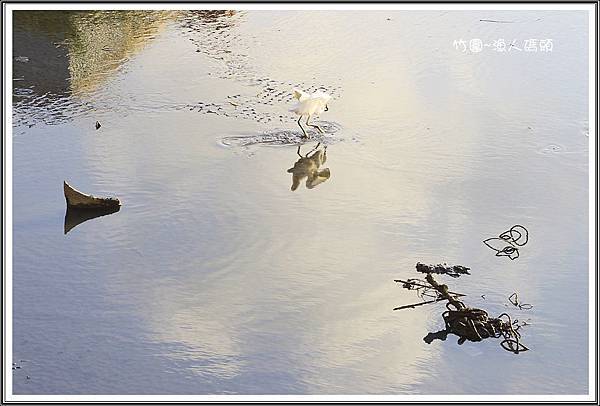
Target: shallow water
[216,278]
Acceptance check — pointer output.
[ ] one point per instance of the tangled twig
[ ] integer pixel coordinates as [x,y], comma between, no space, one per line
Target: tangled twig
[514,300]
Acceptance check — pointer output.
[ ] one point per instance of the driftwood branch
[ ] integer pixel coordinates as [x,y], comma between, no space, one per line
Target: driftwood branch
[444,293]
[409,282]
[412,306]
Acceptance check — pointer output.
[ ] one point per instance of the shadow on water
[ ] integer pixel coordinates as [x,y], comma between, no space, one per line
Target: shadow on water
[61,54]
[308,167]
[74,217]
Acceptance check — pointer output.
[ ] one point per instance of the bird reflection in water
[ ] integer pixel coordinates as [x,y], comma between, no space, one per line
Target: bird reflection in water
[308,167]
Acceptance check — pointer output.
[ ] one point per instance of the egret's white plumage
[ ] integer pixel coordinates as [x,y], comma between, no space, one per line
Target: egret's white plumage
[310,105]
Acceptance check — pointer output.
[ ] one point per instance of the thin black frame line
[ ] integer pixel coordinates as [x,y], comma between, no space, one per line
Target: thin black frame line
[482,2]
[4,140]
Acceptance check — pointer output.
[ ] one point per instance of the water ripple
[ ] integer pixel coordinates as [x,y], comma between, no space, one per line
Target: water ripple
[282,137]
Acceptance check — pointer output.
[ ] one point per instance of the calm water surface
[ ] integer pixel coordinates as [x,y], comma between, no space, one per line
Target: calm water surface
[216,278]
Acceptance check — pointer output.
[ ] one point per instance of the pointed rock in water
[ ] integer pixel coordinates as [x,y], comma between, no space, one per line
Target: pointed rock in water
[77,199]
[98,125]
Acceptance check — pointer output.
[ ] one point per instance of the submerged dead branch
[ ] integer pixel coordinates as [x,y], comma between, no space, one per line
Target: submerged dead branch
[467,323]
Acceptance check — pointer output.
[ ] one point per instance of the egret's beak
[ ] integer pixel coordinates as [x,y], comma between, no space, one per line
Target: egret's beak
[326,108]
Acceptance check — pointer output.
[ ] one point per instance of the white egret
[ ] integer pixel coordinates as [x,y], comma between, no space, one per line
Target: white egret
[310,105]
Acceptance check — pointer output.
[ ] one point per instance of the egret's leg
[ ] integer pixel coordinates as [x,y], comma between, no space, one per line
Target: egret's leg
[315,126]
[314,149]
[298,152]
[302,128]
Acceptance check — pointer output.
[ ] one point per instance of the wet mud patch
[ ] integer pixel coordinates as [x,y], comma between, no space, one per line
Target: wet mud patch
[263,99]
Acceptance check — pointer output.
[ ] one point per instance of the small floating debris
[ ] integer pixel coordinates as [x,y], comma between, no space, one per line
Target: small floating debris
[77,199]
[98,125]
[551,149]
[16,366]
